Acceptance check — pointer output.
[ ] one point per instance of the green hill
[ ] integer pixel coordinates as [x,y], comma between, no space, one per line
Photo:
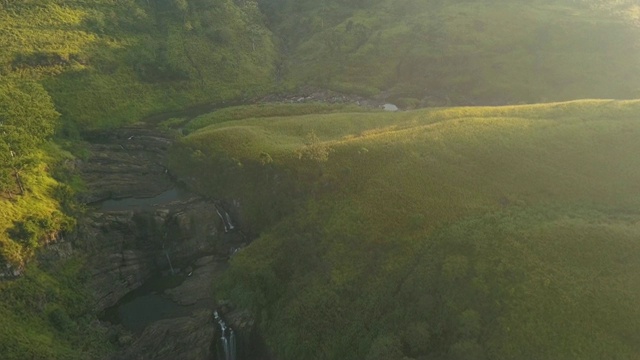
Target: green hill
[350,202]
[107,63]
[452,233]
[423,52]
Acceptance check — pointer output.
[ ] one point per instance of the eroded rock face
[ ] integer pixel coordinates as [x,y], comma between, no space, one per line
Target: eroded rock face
[199,285]
[127,247]
[151,230]
[130,242]
[185,338]
[127,162]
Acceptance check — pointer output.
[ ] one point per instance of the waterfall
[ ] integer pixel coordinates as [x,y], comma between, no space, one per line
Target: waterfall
[166,253]
[224,221]
[227,341]
[231,227]
[232,345]
[225,348]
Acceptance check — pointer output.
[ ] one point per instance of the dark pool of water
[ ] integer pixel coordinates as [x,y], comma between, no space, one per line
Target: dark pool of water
[143,203]
[147,304]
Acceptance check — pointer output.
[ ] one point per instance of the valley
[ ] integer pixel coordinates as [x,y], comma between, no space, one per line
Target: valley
[280,179]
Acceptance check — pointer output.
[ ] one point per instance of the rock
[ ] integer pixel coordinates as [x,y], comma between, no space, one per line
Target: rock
[185,338]
[8,272]
[204,260]
[61,250]
[389,107]
[127,246]
[126,162]
[129,242]
[198,286]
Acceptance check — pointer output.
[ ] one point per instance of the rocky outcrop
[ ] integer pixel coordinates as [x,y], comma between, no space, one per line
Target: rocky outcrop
[129,242]
[127,162]
[127,247]
[140,225]
[199,285]
[185,338]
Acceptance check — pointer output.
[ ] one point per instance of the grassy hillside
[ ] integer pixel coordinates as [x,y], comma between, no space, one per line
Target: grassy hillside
[47,315]
[423,52]
[448,233]
[503,229]
[107,63]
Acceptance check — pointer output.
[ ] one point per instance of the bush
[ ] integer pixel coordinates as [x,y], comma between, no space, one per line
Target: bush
[314,149]
[60,319]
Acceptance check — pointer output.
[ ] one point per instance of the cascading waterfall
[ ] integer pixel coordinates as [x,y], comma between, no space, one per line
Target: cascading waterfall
[226,220]
[227,342]
[225,347]
[166,253]
[232,344]
[231,227]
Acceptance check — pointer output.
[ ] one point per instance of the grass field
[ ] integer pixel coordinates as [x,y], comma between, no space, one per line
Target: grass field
[477,232]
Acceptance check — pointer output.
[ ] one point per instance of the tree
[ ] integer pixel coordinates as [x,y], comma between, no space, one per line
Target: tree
[386,347]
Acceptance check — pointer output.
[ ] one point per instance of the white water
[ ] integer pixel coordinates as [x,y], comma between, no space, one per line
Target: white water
[170,265]
[226,220]
[232,344]
[227,342]
[231,227]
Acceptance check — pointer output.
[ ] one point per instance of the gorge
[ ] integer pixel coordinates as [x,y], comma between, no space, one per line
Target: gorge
[155,251]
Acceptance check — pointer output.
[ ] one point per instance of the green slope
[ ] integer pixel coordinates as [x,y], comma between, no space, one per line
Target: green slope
[46,314]
[423,52]
[107,63]
[453,233]
[393,186]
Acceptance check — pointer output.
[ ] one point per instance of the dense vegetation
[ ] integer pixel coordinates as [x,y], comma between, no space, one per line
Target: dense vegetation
[425,52]
[47,315]
[107,63]
[461,233]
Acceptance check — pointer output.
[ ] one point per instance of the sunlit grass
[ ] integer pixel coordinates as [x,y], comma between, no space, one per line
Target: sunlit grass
[522,216]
